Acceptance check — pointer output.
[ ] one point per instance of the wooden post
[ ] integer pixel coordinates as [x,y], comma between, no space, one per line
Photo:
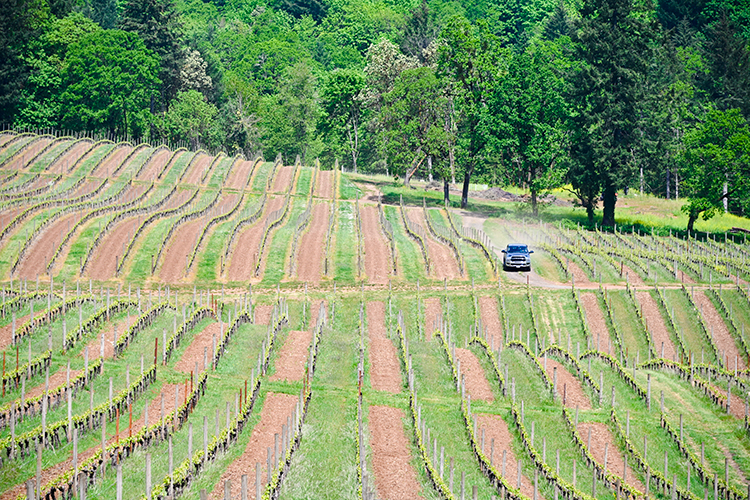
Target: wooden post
[119,480]
[39,469]
[243,487]
[148,475]
[257,480]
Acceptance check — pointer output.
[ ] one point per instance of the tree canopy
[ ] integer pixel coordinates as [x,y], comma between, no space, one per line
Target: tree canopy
[593,96]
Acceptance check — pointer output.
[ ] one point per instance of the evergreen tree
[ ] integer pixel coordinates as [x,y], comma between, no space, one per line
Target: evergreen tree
[728,81]
[612,45]
[158,24]
[558,23]
[419,32]
[104,13]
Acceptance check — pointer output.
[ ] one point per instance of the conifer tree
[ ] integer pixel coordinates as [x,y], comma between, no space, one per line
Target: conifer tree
[158,24]
[612,44]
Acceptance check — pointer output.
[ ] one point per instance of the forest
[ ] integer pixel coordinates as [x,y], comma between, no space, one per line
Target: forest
[594,96]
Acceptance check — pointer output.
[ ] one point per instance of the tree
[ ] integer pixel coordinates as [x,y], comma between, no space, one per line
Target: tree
[532,114]
[728,57]
[413,111]
[103,13]
[612,44]
[290,117]
[715,163]
[40,98]
[342,102]
[158,24]
[109,78]
[20,22]
[193,73]
[191,117]
[419,32]
[472,56]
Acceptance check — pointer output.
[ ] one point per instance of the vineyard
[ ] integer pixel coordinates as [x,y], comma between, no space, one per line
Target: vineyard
[182,324]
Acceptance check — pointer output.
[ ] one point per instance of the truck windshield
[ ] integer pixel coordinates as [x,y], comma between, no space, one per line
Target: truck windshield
[517,249]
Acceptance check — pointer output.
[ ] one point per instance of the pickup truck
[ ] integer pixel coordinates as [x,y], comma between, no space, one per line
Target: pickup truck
[517,256]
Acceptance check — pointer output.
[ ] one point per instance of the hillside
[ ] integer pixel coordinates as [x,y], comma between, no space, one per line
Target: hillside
[173,319]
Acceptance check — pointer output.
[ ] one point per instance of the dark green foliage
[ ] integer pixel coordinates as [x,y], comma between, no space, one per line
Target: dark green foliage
[672,12]
[159,26]
[104,13]
[728,57]
[612,45]
[419,32]
[20,22]
[343,104]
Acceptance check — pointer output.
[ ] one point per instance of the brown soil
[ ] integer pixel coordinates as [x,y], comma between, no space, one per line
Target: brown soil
[442,260]
[55,380]
[282,180]
[154,166]
[242,261]
[110,164]
[312,245]
[377,253]
[86,188]
[6,334]
[194,352]
[496,429]
[633,277]
[325,184]
[276,409]
[290,365]
[240,174]
[395,478]
[491,320]
[578,274]
[597,323]
[183,241]
[476,382]
[67,160]
[24,156]
[385,371]
[568,386]
[655,323]
[195,174]
[722,338]
[600,436]
[173,268]
[39,254]
[110,250]
[262,314]
[8,215]
[132,192]
[432,311]
[109,347]
[52,473]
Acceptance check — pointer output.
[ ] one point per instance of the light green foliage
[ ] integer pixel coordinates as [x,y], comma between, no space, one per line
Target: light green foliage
[716,152]
[108,80]
[191,117]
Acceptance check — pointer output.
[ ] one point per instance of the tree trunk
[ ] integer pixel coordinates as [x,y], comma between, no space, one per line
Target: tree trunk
[691,222]
[610,199]
[446,192]
[465,190]
[590,212]
[534,204]
[412,171]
